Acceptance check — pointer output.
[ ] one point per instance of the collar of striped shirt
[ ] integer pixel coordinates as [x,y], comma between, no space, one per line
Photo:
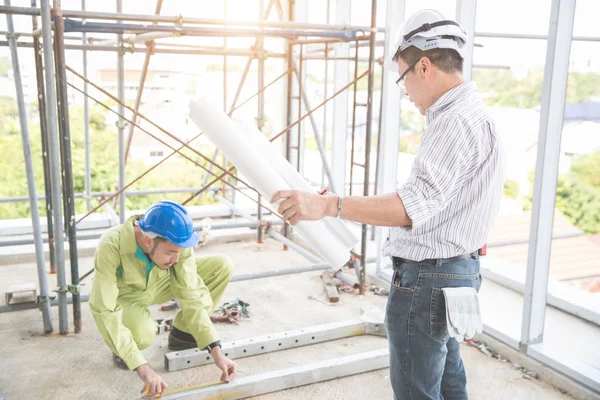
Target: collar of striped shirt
[465,89]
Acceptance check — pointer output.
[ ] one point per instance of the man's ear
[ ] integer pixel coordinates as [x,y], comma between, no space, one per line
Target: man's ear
[424,66]
[148,242]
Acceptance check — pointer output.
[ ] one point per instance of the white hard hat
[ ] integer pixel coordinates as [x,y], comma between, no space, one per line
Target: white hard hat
[426,30]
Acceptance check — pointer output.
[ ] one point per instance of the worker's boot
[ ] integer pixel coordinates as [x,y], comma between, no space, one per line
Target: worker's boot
[180,340]
[119,362]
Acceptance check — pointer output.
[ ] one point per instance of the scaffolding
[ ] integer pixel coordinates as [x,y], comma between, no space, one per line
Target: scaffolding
[69,29]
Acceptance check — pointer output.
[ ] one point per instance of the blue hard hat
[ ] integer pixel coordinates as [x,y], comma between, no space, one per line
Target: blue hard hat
[171,221]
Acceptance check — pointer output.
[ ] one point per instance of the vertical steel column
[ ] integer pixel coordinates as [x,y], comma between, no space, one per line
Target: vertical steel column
[300,143]
[290,89]
[261,106]
[387,158]
[353,135]
[33,204]
[466,12]
[554,92]
[67,167]
[371,79]
[377,163]
[39,73]
[121,123]
[339,136]
[86,125]
[54,165]
[138,99]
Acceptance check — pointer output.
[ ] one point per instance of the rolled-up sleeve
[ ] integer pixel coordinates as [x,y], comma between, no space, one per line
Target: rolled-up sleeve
[441,168]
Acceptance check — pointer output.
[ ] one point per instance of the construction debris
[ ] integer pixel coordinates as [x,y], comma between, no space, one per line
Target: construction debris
[230,311]
[379,291]
[330,287]
[526,374]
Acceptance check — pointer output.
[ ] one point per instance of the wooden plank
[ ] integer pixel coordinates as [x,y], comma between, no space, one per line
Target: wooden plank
[330,288]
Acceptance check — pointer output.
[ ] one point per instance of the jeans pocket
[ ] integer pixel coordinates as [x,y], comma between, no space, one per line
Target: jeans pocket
[438,327]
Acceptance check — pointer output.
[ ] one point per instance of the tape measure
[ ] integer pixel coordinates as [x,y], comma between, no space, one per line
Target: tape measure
[181,389]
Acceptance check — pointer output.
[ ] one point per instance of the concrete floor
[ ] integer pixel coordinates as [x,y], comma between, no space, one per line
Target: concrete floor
[35,366]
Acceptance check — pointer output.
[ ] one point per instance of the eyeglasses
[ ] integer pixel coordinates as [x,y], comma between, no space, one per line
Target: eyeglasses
[400,81]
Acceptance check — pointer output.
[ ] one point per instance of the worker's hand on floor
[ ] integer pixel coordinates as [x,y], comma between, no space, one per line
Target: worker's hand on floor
[153,383]
[228,367]
[299,206]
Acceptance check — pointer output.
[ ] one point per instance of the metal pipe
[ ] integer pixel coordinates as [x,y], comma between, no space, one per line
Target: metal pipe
[278,272]
[320,146]
[377,162]
[135,180]
[130,193]
[66,160]
[179,49]
[33,205]
[121,28]
[288,136]
[120,122]
[54,163]
[31,305]
[294,246]
[238,91]
[319,106]
[299,141]
[370,84]
[86,125]
[138,99]
[39,74]
[120,191]
[261,105]
[171,135]
[353,119]
[179,19]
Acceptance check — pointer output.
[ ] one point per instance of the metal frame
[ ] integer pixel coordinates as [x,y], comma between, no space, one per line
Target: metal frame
[175,361]
[287,378]
[291,377]
[544,196]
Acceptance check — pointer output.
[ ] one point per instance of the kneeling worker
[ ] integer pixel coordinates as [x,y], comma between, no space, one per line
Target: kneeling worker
[126,282]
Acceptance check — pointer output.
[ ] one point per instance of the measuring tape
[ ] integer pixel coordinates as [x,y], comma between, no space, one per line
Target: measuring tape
[181,389]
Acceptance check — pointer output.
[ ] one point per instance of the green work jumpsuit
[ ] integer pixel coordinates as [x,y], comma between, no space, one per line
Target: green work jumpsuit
[126,283]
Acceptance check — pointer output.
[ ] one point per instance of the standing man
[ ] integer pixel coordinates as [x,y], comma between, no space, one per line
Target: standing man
[149,260]
[439,218]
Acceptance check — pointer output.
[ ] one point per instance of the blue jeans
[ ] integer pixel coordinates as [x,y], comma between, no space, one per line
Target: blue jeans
[425,362]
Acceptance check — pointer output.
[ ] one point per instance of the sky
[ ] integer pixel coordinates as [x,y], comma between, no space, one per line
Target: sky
[510,16]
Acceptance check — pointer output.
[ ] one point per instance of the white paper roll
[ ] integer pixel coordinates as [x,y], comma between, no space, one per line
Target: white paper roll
[335,226]
[252,163]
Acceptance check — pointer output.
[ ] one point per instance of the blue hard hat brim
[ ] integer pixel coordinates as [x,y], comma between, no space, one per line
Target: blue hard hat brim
[191,242]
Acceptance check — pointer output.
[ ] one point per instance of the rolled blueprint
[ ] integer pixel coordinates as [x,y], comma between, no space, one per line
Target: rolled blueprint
[336,227]
[243,152]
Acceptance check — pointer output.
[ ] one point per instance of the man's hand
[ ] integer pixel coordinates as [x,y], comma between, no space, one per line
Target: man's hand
[153,383]
[305,206]
[228,367]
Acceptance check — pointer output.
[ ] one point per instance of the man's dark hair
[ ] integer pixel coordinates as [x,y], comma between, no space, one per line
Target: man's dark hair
[447,60]
[159,239]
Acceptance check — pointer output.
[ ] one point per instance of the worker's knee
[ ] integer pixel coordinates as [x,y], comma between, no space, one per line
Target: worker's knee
[226,266]
[144,334]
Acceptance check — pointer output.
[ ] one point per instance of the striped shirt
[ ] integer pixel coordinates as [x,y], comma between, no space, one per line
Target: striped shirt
[454,189]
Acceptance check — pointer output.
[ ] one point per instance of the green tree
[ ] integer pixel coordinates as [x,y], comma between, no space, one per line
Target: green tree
[587,168]
[175,173]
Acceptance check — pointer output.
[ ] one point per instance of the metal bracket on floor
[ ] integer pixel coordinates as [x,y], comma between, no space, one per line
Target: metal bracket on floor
[367,325]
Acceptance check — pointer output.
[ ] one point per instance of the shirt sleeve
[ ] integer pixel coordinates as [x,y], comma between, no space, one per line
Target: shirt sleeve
[194,297]
[442,166]
[107,313]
